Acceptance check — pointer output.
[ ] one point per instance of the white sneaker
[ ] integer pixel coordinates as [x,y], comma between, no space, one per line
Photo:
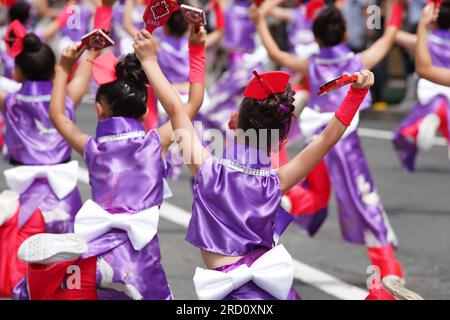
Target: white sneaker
[48,248]
[427,131]
[395,286]
[9,202]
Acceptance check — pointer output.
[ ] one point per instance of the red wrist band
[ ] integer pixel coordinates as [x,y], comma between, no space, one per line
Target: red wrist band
[64,15]
[396,18]
[102,18]
[220,17]
[196,63]
[346,112]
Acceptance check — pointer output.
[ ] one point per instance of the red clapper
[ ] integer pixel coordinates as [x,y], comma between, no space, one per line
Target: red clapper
[337,83]
[193,15]
[158,12]
[96,40]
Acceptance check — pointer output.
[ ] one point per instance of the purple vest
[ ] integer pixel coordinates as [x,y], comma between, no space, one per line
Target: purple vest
[173,57]
[125,166]
[239,29]
[439,44]
[235,204]
[327,65]
[30,136]
[77,27]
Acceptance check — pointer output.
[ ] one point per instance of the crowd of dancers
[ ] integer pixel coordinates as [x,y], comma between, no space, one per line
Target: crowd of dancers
[149,87]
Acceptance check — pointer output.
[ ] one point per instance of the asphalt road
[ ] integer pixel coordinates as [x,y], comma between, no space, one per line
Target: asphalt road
[418,206]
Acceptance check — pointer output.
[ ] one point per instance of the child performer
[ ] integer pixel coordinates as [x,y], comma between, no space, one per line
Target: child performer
[44,176]
[362,216]
[431,113]
[126,171]
[235,232]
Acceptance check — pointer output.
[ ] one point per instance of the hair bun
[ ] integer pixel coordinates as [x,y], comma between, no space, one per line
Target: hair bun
[129,70]
[32,43]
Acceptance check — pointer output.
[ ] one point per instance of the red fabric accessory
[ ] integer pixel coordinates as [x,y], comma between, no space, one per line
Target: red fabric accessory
[313,7]
[266,84]
[350,105]
[151,119]
[196,63]
[396,18]
[96,40]
[436,2]
[337,83]
[14,38]
[48,282]
[64,15]
[102,18]
[220,17]
[104,68]
[158,12]
[258,2]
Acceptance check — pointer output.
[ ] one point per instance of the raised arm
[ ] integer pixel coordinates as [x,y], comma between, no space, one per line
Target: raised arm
[424,65]
[196,80]
[301,165]
[128,18]
[216,36]
[376,52]
[279,56]
[190,146]
[62,123]
[79,83]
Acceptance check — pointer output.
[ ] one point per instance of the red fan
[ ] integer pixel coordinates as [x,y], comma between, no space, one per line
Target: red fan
[337,83]
[158,12]
[193,15]
[96,40]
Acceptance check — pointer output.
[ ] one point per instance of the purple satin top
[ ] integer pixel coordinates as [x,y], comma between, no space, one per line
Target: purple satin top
[173,57]
[236,202]
[240,30]
[439,44]
[79,25]
[125,166]
[30,136]
[8,64]
[327,65]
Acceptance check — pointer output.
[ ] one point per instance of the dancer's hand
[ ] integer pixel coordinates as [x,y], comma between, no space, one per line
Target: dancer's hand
[255,14]
[197,38]
[429,14]
[69,57]
[144,46]
[365,80]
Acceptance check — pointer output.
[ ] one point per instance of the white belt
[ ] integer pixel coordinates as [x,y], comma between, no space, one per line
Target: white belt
[427,91]
[92,221]
[311,121]
[272,272]
[62,178]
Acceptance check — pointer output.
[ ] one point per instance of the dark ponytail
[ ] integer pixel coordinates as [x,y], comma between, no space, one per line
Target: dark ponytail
[127,96]
[37,61]
[274,113]
[329,26]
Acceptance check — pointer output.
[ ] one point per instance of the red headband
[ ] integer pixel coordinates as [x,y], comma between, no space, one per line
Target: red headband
[14,38]
[158,12]
[8,3]
[266,84]
[104,68]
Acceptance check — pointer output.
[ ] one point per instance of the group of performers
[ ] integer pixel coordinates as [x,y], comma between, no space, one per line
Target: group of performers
[152,92]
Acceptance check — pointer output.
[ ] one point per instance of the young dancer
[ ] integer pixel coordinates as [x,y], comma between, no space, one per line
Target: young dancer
[126,171]
[431,112]
[44,176]
[236,233]
[362,216]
